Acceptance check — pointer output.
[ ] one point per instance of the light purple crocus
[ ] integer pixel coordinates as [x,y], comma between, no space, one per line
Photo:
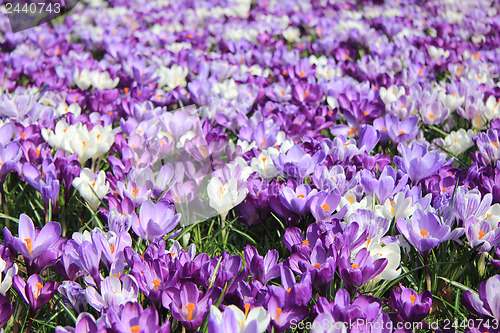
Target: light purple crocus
[383,187]
[298,201]
[470,203]
[85,323]
[410,305]
[361,270]
[398,131]
[485,303]
[134,319]
[32,243]
[296,163]
[480,232]
[155,220]
[34,291]
[324,205]
[190,306]
[114,292]
[419,163]
[425,231]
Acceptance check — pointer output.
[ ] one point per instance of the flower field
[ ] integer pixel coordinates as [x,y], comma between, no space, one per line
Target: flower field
[251,166]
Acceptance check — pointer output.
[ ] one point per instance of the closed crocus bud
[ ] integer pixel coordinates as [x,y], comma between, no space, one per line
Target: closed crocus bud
[89,186]
[5,310]
[411,306]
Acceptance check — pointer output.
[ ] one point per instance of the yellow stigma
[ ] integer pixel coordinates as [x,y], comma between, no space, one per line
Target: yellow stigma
[413,298]
[190,307]
[424,233]
[28,244]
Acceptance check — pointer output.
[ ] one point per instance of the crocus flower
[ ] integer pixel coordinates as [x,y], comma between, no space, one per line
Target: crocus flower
[34,292]
[296,163]
[298,201]
[384,187]
[485,303]
[6,310]
[262,269]
[9,156]
[114,292]
[398,131]
[73,295]
[32,243]
[411,306]
[132,318]
[189,305]
[6,281]
[284,314]
[224,197]
[85,323]
[92,189]
[234,320]
[481,232]
[425,231]
[470,203]
[488,145]
[155,220]
[418,163]
[362,269]
[324,205]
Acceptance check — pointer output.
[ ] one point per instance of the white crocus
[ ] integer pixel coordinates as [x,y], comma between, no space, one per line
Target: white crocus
[291,34]
[492,110]
[227,89]
[492,215]
[82,143]
[263,164]
[82,79]
[102,80]
[171,78]
[349,200]
[58,138]
[398,207]
[88,186]
[452,101]
[223,197]
[63,108]
[457,142]
[391,94]
[104,138]
[436,53]
[392,252]
[7,280]
[244,319]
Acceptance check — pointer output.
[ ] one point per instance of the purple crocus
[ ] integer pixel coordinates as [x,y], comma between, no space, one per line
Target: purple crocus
[155,220]
[485,304]
[488,145]
[34,291]
[32,242]
[296,163]
[398,131]
[324,205]
[85,323]
[262,269]
[480,232]
[410,305]
[384,187]
[419,163]
[298,201]
[9,156]
[190,306]
[5,310]
[425,231]
[361,270]
[73,295]
[284,314]
[114,292]
[132,318]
